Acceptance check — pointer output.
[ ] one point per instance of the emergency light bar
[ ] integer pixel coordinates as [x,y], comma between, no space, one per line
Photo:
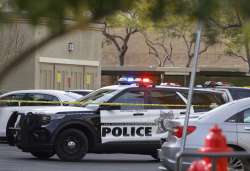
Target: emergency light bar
[171,84]
[126,80]
[215,84]
[139,81]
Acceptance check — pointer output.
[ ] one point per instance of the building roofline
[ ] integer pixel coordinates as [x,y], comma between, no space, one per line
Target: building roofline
[202,70]
[22,18]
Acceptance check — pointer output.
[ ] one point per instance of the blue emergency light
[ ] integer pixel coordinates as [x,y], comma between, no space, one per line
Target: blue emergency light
[139,81]
[131,79]
[126,80]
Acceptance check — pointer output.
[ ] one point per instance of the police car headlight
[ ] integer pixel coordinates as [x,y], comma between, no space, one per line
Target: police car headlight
[57,116]
[53,117]
[45,119]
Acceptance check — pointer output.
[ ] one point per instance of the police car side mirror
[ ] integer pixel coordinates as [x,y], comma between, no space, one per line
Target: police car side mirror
[109,107]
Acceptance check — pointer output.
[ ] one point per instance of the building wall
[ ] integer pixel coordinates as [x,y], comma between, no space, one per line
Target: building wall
[70,68]
[87,44]
[14,38]
[138,55]
[54,66]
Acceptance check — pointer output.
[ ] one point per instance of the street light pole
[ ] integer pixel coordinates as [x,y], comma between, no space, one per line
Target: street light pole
[191,84]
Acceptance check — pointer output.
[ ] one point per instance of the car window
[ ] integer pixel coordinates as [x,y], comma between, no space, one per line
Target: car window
[202,102]
[205,101]
[64,97]
[246,117]
[166,97]
[73,96]
[83,93]
[235,118]
[19,96]
[239,93]
[40,97]
[131,97]
[241,117]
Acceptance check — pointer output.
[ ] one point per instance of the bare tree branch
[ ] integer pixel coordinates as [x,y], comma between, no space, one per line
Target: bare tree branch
[112,38]
[127,30]
[150,44]
[169,55]
[154,49]
[239,56]
[120,42]
[185,41]
[238,16]
[190,51]
[165,48]
[225,26]
[204,49]
[135,30]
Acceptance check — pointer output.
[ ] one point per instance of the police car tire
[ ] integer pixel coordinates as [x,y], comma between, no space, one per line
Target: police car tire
[42,155]
[75,137]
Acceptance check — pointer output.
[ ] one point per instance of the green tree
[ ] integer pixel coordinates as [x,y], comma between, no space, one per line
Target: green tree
[183,29]
[160,46]
[129,23]
[234,30]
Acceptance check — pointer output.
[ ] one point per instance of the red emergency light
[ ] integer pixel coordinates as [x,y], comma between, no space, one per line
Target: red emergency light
[140,81]
[146,80]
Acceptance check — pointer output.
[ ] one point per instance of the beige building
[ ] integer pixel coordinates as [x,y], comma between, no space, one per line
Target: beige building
[213,64]
[69,62]
[138,55]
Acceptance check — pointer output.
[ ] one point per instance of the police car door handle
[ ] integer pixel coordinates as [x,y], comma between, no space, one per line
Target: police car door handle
[138,114]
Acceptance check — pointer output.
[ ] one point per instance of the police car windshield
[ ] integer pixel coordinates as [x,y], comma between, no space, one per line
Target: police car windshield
[96,96]
[73,95]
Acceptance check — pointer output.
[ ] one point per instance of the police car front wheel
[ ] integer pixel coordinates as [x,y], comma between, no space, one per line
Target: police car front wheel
[71,145]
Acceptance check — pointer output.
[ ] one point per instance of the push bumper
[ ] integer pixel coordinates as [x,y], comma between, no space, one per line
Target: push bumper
[25,132]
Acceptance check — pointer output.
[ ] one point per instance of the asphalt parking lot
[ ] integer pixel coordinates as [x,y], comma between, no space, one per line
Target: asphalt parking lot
[12,159]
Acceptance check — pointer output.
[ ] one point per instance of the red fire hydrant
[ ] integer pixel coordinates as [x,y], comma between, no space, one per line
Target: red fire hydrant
[215,142]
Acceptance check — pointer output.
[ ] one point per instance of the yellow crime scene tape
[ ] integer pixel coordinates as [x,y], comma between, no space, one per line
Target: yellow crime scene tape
[94,103]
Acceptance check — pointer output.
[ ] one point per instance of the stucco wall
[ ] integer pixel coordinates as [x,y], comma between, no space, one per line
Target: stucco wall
[14,38]
[87,45]
[137,54]
[87,51]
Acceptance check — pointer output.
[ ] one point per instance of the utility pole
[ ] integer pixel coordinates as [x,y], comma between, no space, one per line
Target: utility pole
[191,84]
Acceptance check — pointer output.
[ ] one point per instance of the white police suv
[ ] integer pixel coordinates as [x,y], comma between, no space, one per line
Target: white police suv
[124,118]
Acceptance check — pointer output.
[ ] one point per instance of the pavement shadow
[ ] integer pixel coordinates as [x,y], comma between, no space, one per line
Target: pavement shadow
[117,161]
[108,161]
